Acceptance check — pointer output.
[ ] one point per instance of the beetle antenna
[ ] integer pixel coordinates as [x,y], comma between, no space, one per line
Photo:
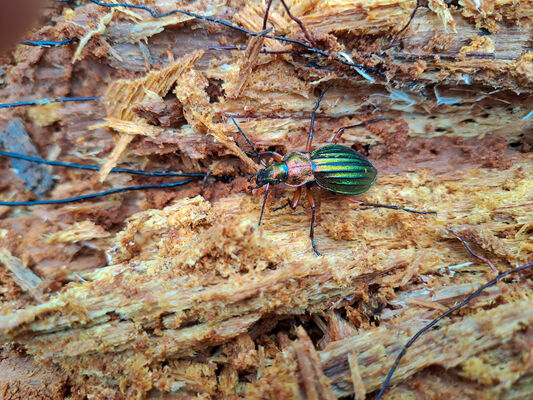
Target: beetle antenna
[94,195]
[95,167]
[264,203]
[313,116]
[312,203]
[439,318]
[249,143]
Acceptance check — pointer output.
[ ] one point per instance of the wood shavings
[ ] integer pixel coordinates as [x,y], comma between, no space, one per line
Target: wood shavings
[187,297]
[46,114]
[130,128]
[251,17]
[315,383]
[122,96]
[425,303]
[441,9]
[147,28]
[358,385]
[33,380]
[524,66]
[371,18]
[469,335]
[219,133]
[85,230]
[479,44]
[198,112]
[242,74]
[120,146]
[24,277]
[488,13]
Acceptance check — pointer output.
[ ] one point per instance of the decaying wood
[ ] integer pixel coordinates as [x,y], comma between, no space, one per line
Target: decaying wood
[15,139]
[179,294]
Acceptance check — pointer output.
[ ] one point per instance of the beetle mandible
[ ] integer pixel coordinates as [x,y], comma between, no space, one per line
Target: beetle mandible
[336,168]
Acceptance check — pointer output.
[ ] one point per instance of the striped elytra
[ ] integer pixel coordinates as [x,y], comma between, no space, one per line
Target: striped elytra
[341,169]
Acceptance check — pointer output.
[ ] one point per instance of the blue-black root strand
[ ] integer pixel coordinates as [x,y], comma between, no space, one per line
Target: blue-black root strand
[48,43]
[93,195]
[46,101]
[193,177]
[439,318]
[230,25]
[97,168]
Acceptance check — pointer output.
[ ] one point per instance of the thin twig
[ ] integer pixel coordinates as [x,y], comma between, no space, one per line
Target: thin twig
[439,318]
[483,259]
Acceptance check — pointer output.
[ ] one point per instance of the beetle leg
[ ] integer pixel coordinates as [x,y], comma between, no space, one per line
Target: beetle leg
[288,203]
[296,198]
[313,116]
[294,202]
[311,201]
[339,133]
[351,199]
[264,203]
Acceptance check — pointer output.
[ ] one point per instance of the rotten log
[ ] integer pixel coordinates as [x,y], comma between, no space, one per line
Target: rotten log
[179,294]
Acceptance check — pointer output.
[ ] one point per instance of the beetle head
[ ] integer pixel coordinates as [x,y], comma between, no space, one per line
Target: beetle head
[273,174]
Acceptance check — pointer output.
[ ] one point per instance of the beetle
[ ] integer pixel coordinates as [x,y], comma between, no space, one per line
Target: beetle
[334,167]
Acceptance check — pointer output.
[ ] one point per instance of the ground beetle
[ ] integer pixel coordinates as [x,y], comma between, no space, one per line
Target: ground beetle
[334,167]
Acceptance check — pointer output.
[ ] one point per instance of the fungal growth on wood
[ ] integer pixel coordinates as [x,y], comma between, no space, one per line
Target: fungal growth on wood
[173,291]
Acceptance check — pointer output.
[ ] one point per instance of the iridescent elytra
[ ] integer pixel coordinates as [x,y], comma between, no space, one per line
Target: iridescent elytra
[336,168]
[339,169]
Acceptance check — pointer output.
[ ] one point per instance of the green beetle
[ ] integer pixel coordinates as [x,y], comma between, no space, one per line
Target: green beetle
[336,168]
[333,167]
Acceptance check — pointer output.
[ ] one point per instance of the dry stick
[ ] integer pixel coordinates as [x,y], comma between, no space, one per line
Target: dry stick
[439,318]
[297,20]
[265,19]
[484,259]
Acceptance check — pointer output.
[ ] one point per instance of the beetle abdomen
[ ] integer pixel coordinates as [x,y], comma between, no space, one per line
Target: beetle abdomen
[341,169]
